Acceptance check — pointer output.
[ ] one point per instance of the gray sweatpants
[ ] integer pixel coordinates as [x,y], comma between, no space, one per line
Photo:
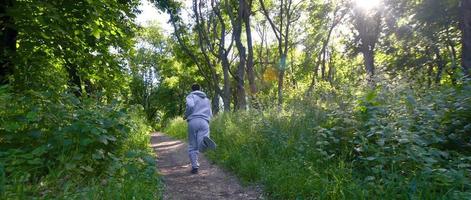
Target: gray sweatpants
[197,130]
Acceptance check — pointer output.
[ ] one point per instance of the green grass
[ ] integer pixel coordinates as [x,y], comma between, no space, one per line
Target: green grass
[373,149]
[177,128]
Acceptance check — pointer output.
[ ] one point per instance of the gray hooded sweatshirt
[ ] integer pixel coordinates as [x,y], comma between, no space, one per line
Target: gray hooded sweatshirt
[198,106]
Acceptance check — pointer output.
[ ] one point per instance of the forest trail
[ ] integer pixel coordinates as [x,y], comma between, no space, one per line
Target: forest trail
[210,183]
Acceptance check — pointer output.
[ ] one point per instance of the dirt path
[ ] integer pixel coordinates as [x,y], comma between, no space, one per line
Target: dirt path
[210,183]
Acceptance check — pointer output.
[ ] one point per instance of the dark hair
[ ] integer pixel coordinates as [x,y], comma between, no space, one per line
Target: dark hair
[195,87]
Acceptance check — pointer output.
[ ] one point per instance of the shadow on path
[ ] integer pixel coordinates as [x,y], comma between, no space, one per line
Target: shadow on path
[211,183]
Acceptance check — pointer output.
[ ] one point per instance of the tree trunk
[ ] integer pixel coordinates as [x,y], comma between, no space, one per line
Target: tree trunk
[74,79]
[429,76]
[466,38]
[369,61]
[281,76]
[440,65]
[235,100]
[453,67]
[242,57]
[323,64]
[89,87]
[282,38]
[368,30]
[451,47]
[205,45]
[7,42]
[330,73]
[215,103]
[222,54]
[226,96]
[174,20]
[236,21]
[227,88]
[452,72]
[292,74]
[323,49]
[250,64]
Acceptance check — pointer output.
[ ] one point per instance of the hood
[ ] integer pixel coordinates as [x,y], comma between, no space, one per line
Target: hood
[199,93]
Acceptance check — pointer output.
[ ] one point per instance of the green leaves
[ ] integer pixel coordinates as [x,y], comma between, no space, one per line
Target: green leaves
[96,33]
[50,138]
[377,147]
[60,44]
[32,116]
[105,138]
[12,127]
[63,133]
[87,168]
[99,154]
[40,150]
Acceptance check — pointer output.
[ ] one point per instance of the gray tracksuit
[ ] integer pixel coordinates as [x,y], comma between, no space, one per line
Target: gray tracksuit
[198,113]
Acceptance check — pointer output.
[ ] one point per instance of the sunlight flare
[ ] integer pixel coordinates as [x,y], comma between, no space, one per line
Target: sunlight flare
[367,4]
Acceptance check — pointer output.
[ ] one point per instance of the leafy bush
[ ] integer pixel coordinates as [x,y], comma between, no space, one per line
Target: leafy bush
[57,145]
[384,144]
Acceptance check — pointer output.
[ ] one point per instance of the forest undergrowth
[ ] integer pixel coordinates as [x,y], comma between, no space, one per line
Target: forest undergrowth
[59,147]
[382,144]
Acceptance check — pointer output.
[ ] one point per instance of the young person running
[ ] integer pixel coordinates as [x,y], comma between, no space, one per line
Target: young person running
[198,114]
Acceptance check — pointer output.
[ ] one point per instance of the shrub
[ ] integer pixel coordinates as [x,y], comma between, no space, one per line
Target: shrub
[49,140]
[384,144]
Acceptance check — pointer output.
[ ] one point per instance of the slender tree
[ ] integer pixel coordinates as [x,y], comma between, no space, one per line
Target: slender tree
[466,38]
[337,16]
[286,17]
[205,68]
[206,46]
[7,41]
[367,23]
[237,24]
[223,53]
[250,55]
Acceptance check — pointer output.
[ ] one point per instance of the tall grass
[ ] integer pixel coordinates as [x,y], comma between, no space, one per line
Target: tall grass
[379,145]
[177,128]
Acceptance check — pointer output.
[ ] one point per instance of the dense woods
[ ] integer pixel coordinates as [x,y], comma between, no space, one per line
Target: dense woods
[68,129]
[307,44]
[317,99]
[351,99]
